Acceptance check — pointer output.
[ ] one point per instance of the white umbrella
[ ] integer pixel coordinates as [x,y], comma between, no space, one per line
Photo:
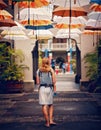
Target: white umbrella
[95,15]
[41,34]
[56,31]
[66,3]
[35,14]
[16,37]
[93,23]
[14,33]
[66,36]
[63,22]
[15,30]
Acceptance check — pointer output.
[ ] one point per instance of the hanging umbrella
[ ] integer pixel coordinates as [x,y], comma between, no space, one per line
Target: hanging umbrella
[95,15]
[65,3]
[95,7]
[35,13]
[14,33]
[36,22]
[66,11]
[3,5]
[15,30]
[93,25]
[95,1]
[63,22]
[44,27]
[5,15]
[16,37]
[91,32]
[7,23]
[33,4]
[41,34]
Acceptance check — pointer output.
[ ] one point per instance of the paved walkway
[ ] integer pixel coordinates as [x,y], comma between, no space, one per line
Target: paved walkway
[73,110]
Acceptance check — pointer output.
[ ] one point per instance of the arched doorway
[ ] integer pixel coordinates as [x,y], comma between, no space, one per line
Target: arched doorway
[60,61]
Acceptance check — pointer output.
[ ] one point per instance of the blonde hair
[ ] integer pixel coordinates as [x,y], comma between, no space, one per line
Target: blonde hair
[45,67]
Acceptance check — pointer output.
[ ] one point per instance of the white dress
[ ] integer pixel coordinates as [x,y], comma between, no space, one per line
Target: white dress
[45,95]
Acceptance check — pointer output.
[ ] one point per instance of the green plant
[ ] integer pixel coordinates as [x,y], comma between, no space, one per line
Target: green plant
[93,63]
[11,64]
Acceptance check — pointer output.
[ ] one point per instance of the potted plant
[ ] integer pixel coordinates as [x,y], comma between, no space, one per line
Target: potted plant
[11,69]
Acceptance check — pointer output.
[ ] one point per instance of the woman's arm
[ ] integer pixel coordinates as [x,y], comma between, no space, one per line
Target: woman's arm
[54,80]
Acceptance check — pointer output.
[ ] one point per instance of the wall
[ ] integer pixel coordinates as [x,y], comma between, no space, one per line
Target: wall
[87,42]
[27,46]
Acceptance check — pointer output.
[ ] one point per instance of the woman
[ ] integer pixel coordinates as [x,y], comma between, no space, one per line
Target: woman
[46,81]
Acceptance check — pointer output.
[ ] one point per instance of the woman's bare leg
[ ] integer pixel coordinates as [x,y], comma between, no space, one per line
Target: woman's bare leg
[46,114]
[51,109]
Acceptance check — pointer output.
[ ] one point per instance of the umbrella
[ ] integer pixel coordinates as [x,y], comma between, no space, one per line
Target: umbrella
[5,14]
[71,12]
[90,32]
[95,15]
[93,24]
[14,33]
[33,4]
[15,30]
[65,3]
[3,5]
[7,23]
[35,13]
[66,11]
[16,37]
[41,34]
[44,27]
[36,22]
[63,22]
[95,7]
[96,1]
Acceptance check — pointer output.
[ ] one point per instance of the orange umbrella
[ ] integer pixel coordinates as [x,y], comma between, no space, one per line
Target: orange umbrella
[2,4]
[36,22]
[90,32]
[34,4]
[95,7]
[7,22]
[63,25]
[5,15]
[65,11]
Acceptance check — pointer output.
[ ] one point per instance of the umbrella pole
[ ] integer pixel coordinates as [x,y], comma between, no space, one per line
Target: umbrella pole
[69,42]
[28,12]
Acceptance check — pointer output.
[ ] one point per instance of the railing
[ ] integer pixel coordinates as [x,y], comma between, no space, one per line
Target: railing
[54,46]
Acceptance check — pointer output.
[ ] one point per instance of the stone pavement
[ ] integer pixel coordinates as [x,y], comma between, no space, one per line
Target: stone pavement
[73,110]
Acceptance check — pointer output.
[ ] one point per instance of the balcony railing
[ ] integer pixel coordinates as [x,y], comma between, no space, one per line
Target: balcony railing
[54,46]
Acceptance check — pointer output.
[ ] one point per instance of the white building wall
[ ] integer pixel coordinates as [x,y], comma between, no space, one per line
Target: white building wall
[27,46]
[87,42]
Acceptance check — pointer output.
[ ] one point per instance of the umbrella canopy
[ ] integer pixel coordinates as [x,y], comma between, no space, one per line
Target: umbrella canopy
[90,32]
[63,22]
[7,23]
[95,7]
[15,30]
[96,1]
[35,13]
[64,33]
[5,15]
[44,27]
[65,11]
[36,22]
[16,37]
[95,15]
[33,4]
[93,24]
[41,34]
[66,3]
[3,5]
